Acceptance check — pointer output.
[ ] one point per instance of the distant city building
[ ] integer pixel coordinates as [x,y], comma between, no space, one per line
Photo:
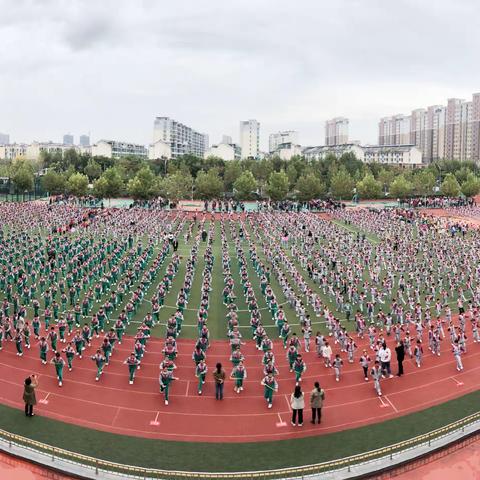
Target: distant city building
[336,131]
[227,139]
[35,149]
[451,132]
[4,138]
[68,139]
[182,139]
[116,149]
[225,151]
[402,155]
[159,149]
[250,138]
[84,140]
[276,139]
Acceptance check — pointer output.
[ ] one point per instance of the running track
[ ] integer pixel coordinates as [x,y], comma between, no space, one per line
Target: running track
[115,406]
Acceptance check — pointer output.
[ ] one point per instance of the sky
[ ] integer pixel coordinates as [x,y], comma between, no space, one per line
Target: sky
[109,67]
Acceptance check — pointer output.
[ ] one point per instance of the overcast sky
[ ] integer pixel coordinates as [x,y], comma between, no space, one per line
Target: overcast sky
[109,67]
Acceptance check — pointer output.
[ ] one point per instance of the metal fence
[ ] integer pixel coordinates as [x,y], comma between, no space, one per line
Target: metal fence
[91,467]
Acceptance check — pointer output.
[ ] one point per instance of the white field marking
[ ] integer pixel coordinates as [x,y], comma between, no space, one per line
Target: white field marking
[391,404]
[288,403]
[280,423]
[44,401]
[155,422]
[458,382]
[188,385]
[383,404]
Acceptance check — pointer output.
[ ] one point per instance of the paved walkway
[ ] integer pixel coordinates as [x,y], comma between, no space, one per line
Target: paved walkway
[461,464]
[12,468]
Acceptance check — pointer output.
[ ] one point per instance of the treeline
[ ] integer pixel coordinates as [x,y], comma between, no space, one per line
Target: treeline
[192,177]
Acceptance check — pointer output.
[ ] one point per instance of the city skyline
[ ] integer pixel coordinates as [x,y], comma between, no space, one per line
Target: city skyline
[242,65]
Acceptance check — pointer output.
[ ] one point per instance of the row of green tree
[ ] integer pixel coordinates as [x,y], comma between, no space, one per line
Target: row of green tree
[193,177]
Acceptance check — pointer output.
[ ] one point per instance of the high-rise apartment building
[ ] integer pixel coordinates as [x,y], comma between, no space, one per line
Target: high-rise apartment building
[250,138]
[68,139]
[276,139]
[394,130]
[227,139]
[435,134]
[439,132]
[4,139]
[476,127]
[84,140]
[336,131]
[182,139]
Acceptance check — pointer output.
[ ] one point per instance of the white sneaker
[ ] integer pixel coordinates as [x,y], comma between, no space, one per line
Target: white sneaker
[131,382]
[269,405]
[59,384]
[166,402]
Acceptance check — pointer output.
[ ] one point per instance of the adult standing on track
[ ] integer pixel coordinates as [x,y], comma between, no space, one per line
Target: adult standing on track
[29,397]
[385,356]
[317,396]
[219,376]
[297,402]
[400,351]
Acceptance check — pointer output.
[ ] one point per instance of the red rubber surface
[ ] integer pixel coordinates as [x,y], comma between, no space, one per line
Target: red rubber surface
[115,406]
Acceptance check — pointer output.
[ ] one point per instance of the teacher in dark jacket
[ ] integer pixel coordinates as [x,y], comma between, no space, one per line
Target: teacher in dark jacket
[29,397]
[400,351]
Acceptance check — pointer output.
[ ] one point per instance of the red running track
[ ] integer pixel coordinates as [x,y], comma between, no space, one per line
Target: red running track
[115,406]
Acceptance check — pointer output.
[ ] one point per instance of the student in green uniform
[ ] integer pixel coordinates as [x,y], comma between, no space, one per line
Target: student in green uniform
[59,363]
[133,363]
[239,374]
[270,385]
[99,360]
[43,345]
[69,351]
[165,379]
[200,372]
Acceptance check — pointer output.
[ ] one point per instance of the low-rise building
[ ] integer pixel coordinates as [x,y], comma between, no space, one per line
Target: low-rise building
[402,155]
[320,152]
[225,151]
[159,149]
[287,150]
[116,149]
[12,151]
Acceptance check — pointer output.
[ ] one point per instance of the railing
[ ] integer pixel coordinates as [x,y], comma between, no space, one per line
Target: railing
[92,467]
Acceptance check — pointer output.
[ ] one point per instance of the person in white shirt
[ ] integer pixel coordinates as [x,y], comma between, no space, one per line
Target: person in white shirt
[297,402]
[385,356]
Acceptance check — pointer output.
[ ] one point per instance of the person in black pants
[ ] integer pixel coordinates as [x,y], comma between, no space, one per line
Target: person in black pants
[400,351]
[29,398]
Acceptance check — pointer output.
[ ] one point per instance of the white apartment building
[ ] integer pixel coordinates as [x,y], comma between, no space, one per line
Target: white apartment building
[402,155]
[12,151]
[227,139]
[250,138]
[336,131]
[116,149]
[276,139]
[225,151]
[182,139]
